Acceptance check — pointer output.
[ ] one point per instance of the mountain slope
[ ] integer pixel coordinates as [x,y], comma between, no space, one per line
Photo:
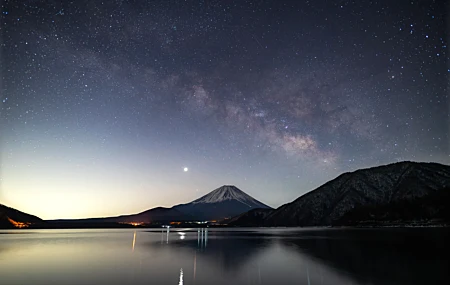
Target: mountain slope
[158,214]
[155,215]
[432,208]
[12,218]
[378,186]
[252,218]
[224,202]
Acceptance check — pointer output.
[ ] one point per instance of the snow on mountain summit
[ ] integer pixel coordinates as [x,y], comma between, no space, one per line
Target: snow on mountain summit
[224,202]
[228,192]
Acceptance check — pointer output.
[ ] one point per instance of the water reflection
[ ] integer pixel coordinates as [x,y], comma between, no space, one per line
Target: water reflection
[202,237]
[382,256]
[195,264]
[181,277]
[134,241]
[327,256]
[165,233]
[205,256]
[224,250]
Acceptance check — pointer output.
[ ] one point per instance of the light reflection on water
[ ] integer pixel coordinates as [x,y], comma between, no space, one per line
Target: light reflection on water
[205,256]
[134,241]
[181,277]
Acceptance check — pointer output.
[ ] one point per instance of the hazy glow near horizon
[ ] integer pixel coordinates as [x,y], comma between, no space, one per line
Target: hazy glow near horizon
[101,116]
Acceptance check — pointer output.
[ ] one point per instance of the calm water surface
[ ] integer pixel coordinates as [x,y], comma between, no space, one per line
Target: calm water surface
[214,256]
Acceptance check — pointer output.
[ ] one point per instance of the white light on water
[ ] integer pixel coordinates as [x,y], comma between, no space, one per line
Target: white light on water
[134,240]
[181,277]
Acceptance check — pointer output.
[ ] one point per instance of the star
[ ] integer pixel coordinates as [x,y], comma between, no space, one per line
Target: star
[249,113]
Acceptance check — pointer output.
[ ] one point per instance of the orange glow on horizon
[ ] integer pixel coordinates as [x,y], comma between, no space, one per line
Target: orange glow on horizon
[132,223]
[18,224]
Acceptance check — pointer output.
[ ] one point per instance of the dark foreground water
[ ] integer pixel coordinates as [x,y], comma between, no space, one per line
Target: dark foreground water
[213,256]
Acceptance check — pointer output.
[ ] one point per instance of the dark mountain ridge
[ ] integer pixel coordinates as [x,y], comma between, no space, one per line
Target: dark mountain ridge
[380,185]
[11,218]
[155,215]
[395,193]
[429,209]
[252,218]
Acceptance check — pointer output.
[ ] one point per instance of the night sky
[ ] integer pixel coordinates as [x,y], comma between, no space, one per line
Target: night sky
[104,103]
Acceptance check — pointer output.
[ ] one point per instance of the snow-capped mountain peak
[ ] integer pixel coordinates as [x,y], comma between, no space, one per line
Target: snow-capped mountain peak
[228,192]
[224,202]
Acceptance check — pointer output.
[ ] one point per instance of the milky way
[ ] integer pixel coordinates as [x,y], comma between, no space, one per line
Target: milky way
[104,103]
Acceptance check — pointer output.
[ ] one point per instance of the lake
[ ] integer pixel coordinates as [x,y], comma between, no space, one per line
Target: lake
[225,256]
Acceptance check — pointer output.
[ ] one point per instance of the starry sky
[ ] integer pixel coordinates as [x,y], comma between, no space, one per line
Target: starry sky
[104,103]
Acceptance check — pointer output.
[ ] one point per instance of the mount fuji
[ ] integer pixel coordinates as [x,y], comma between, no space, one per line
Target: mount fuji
[224,202]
